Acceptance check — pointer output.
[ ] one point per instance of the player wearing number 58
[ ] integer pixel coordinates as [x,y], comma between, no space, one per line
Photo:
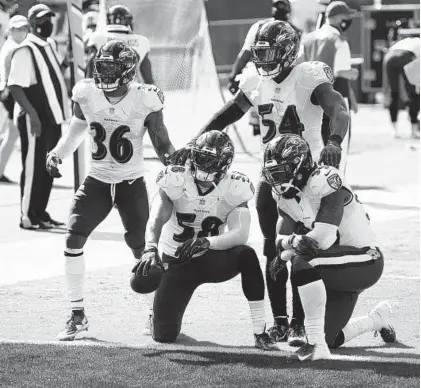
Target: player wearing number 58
[117,110]
[198,204]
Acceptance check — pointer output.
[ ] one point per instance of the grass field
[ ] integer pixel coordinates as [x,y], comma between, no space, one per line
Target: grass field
[216,345]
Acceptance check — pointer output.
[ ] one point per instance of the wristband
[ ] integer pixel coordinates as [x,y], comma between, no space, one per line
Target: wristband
[336,140]
[151,247]
[291,240]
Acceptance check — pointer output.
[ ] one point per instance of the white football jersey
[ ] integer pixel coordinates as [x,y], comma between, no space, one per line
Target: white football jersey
[286,107]
[354,229]
[196,215]
[117,130]
[138,42]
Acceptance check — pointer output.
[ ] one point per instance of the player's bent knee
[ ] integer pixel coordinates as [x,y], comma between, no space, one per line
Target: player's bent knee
[337,342]
[136,242]
[302,272]
[166,333]
[75,241]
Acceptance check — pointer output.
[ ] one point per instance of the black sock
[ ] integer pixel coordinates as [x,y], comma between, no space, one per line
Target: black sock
[79,312]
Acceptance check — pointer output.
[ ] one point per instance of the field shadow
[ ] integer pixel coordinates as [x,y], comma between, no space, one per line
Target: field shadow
[379,351]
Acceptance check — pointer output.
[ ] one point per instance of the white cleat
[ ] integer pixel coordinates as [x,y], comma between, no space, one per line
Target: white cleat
[147,330]
[381,317]
[310,352]
[75,325]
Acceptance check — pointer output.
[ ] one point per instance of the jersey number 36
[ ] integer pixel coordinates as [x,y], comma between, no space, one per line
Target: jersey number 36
[121,149]
[290,122]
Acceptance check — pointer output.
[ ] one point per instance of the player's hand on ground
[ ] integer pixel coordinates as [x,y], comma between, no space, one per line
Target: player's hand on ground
[35,124]
[149,259]
[180,156]
[52,165]
[304,244]
[233,86]
[331,154]
[192,248]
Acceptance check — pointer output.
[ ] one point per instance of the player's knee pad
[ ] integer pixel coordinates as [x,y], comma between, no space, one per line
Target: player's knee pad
[302,272]
[146,284]
[166,333]
[136,242]
[75,241]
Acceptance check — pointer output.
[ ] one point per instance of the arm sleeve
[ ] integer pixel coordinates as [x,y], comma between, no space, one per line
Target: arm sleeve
[71,139]
[342,59]
[238,223]
[22,71]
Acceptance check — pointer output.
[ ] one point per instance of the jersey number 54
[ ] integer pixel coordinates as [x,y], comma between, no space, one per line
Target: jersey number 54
[290,122]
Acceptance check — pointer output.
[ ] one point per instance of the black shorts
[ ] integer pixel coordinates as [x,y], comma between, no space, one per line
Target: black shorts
[94,200]
[9,104]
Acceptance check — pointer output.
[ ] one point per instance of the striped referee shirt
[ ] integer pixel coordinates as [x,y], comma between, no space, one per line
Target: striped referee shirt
[35,67]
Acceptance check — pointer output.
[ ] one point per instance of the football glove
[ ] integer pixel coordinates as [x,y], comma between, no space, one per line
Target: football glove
[233,86]
[179,157]
[51,165]
[192,248]
[331,154]
[279,262]
[303,244]
[150,258]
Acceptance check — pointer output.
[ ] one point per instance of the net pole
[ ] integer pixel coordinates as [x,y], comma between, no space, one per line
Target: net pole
[77,72]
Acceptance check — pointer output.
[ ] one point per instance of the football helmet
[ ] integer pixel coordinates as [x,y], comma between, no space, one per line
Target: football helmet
[120,15]
[114,65]
[276,48]
[287,164]
[211,156]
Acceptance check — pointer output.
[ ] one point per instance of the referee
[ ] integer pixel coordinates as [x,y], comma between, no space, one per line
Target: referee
[327,44]
[38,86]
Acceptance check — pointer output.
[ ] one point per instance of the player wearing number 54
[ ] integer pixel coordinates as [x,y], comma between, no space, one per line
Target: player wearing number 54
[117,110]
[290,98]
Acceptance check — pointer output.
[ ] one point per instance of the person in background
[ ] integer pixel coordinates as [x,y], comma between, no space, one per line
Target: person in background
[281,10]
[328,44]
[37,84]
[17,30]
[400,55]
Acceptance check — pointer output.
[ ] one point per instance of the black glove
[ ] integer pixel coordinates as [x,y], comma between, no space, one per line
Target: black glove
[192,248]
[233,86]
[303,244]
[179,157]
[276,266]
[331,154]
[150,258]
[51,165]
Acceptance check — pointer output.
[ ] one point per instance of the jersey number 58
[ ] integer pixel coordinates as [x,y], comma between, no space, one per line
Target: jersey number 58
[121,149]
[290,122]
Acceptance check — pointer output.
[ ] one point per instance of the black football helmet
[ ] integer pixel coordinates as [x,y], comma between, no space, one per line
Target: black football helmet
[211,156]
[287,164]
[114,65]
[120,15]
[276,48]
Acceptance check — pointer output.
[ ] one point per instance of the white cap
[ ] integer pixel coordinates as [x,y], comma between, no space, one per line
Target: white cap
[17,21]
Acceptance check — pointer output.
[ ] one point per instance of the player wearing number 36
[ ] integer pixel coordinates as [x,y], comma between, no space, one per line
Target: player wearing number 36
[290,98]
[117,110]
[197,204]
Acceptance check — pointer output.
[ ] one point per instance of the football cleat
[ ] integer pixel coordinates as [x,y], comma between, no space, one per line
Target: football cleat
[147,330]
[264,342]
[297,335]
[279,332]
[313,352]
[381,317]
[75,325]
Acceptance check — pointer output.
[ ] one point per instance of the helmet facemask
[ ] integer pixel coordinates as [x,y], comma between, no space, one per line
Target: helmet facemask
[110,74]
[207,165]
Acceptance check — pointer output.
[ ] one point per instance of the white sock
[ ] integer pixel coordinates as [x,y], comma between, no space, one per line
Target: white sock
[313,299]
[75,276]
[257,313]
[357,326]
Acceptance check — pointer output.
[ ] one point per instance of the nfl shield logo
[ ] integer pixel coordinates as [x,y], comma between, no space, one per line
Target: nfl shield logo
[111,110]
[202,202]
[277,90]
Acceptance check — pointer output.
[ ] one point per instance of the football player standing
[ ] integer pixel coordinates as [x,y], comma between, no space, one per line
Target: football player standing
[335,259]
[198,203]
[119,27]
[118,111]
[290,99]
